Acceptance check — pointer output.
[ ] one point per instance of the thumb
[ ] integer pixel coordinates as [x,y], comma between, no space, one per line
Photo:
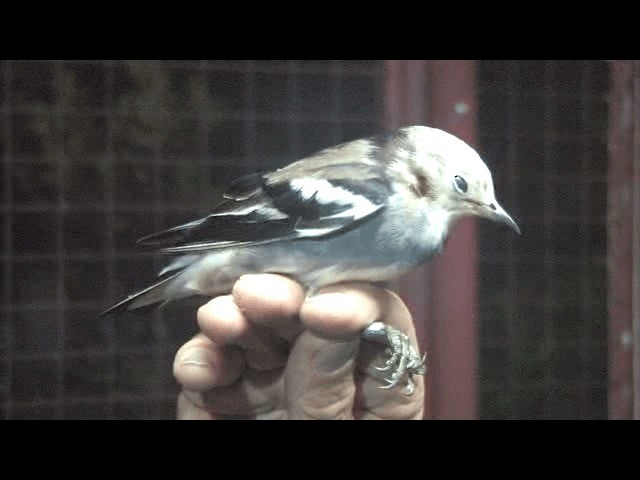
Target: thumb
[319,378]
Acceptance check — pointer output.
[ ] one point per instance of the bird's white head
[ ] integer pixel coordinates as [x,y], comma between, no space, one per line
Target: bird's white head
[448,172]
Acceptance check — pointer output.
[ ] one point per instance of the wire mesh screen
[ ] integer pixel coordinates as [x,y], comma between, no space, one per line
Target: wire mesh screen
[543,295]
[98,154]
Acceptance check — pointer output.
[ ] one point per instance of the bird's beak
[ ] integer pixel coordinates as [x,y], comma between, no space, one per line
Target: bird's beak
[499,214]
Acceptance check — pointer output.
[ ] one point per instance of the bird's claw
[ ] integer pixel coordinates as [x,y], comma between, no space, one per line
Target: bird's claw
[403,361]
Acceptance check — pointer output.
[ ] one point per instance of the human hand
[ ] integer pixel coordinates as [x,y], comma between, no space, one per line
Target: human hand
[266,352]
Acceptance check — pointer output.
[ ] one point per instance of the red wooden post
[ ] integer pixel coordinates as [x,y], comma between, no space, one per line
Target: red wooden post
[442,94]
[623,241]
[406,96]
[455,271]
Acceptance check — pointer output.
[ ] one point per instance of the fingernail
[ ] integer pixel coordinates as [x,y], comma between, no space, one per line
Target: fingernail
[334,356]
[198,357]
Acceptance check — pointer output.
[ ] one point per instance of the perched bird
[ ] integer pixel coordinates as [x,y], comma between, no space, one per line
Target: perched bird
[366,210]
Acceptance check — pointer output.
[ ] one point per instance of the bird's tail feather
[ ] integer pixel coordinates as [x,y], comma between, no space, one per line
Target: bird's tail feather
[149,297]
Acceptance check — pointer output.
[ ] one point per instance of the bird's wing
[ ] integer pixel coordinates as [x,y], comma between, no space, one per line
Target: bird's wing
[317,196]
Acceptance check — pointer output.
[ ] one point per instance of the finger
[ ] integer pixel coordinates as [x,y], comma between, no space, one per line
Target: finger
[221,320]
[373,401]
[343,311]
[255,395]
[187,410]
[200,364]
[319,379]
[272,301]
[223,323]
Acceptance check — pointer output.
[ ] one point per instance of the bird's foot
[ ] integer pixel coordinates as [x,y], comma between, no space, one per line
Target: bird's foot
[403,362]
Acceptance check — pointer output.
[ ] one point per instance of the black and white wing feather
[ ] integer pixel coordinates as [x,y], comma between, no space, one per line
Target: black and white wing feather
[320,195]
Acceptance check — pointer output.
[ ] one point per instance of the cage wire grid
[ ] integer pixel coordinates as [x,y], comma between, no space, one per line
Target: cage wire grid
[543,345]
[99,153]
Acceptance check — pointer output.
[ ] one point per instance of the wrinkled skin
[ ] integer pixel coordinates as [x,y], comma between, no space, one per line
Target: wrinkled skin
[267,352]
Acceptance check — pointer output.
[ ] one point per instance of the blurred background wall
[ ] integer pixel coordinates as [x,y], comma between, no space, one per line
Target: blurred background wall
[96,154]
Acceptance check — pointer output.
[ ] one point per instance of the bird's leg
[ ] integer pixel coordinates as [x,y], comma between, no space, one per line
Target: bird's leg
[403,362]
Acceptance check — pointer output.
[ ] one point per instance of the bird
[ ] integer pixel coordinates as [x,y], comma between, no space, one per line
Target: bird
[369,209]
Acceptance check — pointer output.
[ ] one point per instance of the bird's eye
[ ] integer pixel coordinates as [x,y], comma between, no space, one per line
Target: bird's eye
[460,184]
